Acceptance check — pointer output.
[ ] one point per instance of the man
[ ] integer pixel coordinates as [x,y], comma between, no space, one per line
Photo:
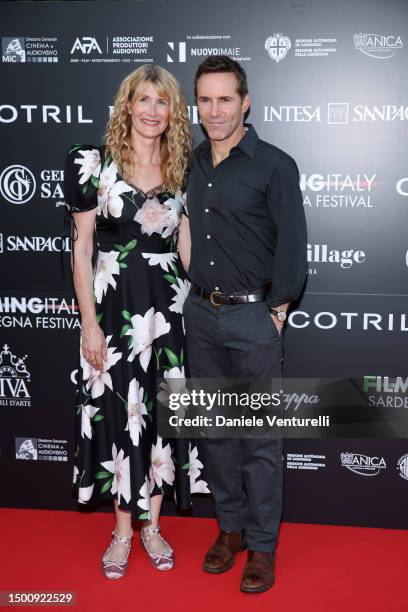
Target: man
[246,220]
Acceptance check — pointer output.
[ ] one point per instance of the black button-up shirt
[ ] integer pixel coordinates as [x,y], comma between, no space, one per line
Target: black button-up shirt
[247,220]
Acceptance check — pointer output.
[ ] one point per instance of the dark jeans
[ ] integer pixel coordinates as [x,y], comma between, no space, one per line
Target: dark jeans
[245,475]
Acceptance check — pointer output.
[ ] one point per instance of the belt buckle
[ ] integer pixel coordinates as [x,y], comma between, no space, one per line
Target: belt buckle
[212,297]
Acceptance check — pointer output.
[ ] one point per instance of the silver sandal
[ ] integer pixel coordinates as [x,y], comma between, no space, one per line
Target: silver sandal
[160,561]
[116,569]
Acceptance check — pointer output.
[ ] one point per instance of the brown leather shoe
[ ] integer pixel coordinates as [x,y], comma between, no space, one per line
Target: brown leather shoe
[259,572]
[221,555]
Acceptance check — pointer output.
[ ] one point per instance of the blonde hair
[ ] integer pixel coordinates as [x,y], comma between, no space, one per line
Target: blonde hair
[175,145]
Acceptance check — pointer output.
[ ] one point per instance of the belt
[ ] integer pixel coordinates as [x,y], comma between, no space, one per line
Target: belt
[216,298]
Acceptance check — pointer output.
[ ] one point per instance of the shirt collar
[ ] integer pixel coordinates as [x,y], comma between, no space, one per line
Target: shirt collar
[247,144]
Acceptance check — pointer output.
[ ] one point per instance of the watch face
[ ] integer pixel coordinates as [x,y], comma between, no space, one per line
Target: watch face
[281,316]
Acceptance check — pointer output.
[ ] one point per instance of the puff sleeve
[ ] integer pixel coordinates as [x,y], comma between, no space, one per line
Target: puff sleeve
[81,178]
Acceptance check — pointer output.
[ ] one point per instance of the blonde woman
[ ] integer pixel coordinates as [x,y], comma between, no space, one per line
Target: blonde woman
[128,193]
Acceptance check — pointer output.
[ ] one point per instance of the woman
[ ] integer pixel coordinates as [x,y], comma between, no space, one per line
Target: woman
[130,191]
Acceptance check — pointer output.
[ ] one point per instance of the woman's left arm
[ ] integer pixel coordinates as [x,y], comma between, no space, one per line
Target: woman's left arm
[184,242]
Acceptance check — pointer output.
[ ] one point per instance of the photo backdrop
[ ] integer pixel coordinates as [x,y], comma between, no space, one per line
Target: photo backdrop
[328,85]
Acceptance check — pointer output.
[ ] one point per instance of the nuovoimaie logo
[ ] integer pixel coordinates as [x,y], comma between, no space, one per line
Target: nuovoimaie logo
[362,464]
[14,380]
[13,49]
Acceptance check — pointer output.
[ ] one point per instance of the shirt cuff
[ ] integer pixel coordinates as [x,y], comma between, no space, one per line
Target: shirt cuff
[278,296]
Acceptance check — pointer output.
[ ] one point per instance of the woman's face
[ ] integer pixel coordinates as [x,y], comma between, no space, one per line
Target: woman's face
[149,112]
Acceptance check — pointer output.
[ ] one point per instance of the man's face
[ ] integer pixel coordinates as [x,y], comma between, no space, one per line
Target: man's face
[220,107]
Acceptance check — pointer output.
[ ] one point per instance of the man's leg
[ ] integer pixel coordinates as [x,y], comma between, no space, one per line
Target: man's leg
[207,358]
[255,348]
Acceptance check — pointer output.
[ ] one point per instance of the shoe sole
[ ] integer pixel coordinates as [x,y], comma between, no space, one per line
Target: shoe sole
[257,590]
[211,570]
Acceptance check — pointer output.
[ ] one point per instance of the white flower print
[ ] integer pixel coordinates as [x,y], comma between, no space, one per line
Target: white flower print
[146,329]
[181,288]
[109,192]
[144,501]
[175,382]
[136,409]
[88,412]
[163,259]
[152,217]
[106,266]
[106,181]
[196,486]
[173,206]
[162,466]
[90,165]
[85,494]
[97,379]
[119,467]
[75,474]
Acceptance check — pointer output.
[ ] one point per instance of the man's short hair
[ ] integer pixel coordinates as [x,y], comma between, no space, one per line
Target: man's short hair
[223,63]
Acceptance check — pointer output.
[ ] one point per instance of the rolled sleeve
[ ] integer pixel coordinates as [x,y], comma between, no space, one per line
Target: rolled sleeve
[285,204]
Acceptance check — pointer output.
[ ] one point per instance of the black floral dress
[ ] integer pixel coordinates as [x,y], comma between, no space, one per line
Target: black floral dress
[139,292]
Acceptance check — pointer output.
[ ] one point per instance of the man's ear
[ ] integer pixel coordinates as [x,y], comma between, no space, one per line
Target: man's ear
[246,102]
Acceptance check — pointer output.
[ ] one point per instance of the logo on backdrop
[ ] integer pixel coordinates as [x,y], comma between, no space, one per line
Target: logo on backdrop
[402,186]
[305,461]
[38,244]
[13,49]
[14,380]
[321,254]
[278,46]
[181,51]
[26,449]
[38,313]
[350,321]
[402,467]
[363,465]
[338,113]
[41,449]
[86,44]
[45,113]
[113,49]
[386,391]
[379,46]
[18,49]
[338,190]
[17,184]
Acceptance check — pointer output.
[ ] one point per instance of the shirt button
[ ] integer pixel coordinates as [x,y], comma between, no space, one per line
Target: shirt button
[208,236]
[216,288]
[207,210]
[210,184]
[211,263]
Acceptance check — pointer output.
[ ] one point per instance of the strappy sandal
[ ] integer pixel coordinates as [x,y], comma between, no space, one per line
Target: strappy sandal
[160,561]
[116,569]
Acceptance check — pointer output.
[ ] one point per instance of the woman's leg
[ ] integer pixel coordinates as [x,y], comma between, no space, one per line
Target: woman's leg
[123,528]
[156,544]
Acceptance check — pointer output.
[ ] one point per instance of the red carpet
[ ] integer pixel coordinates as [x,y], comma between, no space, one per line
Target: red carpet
[319,568]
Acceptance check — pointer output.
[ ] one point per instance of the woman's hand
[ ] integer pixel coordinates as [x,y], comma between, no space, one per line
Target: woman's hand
[94,345]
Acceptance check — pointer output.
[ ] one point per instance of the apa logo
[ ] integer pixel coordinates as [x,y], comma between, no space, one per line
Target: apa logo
[87,45]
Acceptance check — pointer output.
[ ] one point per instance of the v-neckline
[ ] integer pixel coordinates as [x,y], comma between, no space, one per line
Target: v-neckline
[147,194]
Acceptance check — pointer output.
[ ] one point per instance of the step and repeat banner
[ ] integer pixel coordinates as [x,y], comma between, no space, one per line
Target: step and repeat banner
[328,85]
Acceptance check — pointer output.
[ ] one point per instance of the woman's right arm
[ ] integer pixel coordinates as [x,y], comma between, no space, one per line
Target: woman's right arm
[93,339]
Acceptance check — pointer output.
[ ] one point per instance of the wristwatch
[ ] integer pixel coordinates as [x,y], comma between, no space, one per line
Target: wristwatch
[279,314]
